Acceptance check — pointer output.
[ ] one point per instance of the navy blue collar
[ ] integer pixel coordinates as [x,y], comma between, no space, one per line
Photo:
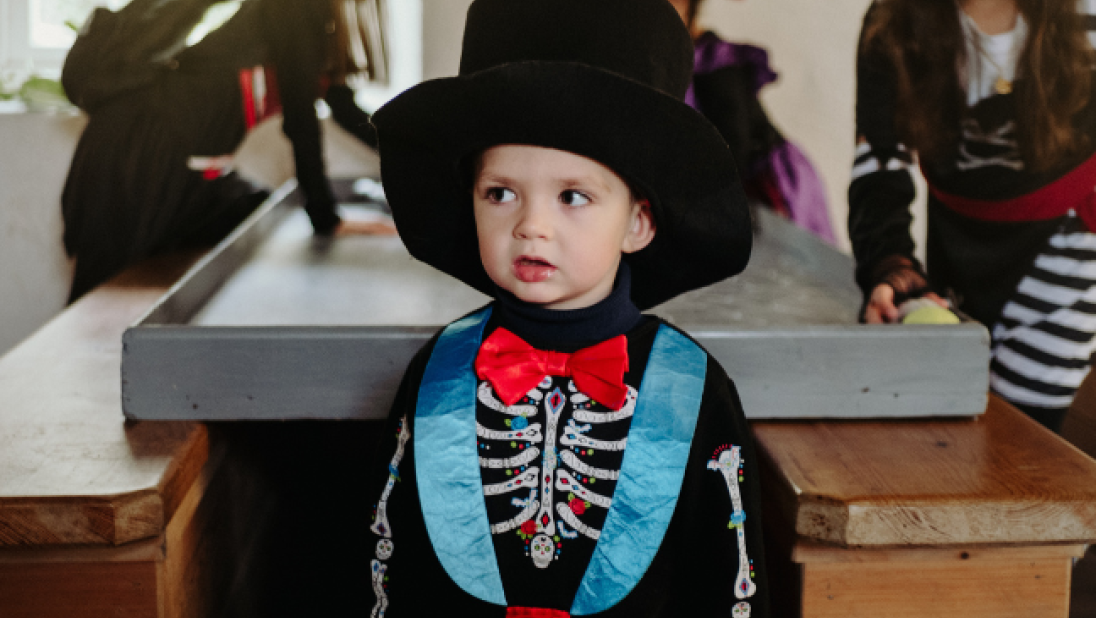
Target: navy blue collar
[571,329]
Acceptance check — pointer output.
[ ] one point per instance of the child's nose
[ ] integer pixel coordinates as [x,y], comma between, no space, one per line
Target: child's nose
[536,221]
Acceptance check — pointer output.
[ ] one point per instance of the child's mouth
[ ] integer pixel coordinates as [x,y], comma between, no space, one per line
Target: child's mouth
[532,269]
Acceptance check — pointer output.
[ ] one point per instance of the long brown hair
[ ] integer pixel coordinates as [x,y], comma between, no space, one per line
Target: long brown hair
[924,41]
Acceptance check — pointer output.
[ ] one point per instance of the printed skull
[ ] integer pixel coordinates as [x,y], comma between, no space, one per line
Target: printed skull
[542,549]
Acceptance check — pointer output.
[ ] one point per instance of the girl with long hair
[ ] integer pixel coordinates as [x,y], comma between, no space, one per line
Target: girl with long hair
[994,99]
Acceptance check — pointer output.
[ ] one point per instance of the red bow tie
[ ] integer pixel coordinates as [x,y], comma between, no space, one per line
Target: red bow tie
[514,367]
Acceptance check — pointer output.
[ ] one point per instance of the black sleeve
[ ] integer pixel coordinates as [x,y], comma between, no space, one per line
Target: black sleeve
[395,528]
[726,573]
[882,188]
[345,111]
[296,32]
[121,51]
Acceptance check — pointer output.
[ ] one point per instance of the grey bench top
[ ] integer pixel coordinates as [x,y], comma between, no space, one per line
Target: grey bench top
[279,324]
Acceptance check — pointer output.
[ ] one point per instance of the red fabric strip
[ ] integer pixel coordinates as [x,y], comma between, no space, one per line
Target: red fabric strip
[247,95]
[535,612]
[1075,190]
[272,100]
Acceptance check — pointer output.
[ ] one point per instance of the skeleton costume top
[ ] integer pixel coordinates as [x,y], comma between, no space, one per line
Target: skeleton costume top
[548,471]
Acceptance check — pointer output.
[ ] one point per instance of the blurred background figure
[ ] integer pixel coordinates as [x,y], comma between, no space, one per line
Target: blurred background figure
[727,80]
[167,107]
[995,99]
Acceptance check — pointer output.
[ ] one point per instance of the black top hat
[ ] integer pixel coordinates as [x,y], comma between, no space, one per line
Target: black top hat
[603,79]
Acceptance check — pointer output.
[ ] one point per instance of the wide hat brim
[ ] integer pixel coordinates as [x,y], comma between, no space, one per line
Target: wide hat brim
[666,149]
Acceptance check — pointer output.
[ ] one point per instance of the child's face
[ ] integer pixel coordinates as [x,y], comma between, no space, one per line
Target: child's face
[552,225]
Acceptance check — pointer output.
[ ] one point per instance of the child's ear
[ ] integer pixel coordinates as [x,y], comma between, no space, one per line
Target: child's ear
[642,230]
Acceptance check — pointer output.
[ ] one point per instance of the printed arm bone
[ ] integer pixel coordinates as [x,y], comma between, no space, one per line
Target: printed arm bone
[727,465]
[380,524]
[379,571]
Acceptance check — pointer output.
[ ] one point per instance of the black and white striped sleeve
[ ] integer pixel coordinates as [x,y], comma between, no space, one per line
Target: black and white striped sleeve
[881,189]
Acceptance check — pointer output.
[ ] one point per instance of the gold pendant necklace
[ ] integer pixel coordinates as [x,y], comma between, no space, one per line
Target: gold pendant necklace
[1000,85]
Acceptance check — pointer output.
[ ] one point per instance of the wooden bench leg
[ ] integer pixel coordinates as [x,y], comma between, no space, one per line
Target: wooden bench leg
[968,582]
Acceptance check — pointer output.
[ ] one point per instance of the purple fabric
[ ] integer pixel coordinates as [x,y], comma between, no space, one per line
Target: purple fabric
[802,190]
[789,168]
[712,53]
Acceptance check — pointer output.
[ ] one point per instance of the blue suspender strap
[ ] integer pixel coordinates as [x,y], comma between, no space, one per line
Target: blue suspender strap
[651,474]
[447,463]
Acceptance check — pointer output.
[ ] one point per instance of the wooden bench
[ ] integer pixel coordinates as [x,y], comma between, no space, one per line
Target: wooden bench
[99,516]
[894,518]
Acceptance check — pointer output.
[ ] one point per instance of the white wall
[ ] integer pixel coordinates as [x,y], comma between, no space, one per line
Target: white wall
[405,62]
[35,150]
[442,30]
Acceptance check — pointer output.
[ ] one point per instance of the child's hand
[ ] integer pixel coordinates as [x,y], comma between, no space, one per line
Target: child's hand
[882,310]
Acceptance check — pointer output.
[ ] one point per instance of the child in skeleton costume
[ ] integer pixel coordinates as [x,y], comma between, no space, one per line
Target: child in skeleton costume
[557,452]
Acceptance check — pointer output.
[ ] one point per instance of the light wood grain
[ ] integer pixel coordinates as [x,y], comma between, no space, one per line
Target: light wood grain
[1000,478]
[71,469]
[1017,583]
[196,572]
[184,571]
[812,552]
[85,589]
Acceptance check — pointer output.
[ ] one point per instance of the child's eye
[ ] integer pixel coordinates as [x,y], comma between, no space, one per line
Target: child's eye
[570,197]
[500,195]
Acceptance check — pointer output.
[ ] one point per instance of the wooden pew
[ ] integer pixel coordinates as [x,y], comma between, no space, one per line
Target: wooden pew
[99,516]
[971,518]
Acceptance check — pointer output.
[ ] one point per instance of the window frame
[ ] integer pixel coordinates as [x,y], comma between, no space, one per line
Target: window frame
[17,54]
